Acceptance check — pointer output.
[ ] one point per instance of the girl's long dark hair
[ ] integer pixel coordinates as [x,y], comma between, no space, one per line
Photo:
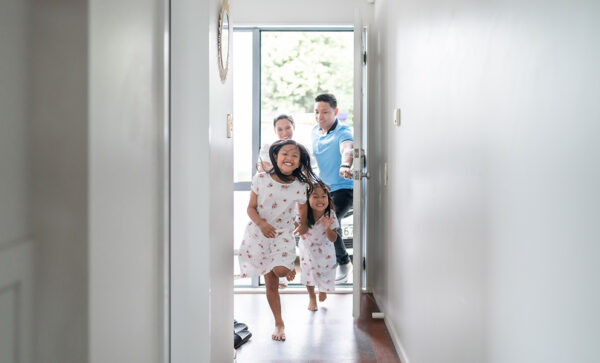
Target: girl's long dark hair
[318,183]
[304,173]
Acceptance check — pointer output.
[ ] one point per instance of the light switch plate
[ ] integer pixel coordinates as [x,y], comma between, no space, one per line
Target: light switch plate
[397,117]
[229,126]
[385,174]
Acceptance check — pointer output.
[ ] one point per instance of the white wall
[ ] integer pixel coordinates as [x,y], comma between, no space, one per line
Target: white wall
[490,220]
[13,121]
[43,192]
[126,173]
[190,154]
[16,246]
[298,13]
[58,155]
[221,199]
[201,189]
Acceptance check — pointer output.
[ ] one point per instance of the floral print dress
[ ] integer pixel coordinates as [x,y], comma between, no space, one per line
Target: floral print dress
[277,205]
[317,257]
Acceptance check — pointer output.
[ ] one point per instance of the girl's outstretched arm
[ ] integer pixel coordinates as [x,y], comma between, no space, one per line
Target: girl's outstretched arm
[267,229]
[303,227]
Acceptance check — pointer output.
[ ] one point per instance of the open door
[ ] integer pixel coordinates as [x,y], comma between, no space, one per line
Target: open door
[360,174]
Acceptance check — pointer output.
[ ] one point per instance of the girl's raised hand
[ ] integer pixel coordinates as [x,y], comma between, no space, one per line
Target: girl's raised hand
[326,221]
[267,229]
[300,230]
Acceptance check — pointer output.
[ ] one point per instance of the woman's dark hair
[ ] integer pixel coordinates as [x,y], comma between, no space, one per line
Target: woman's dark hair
[318,183]
[327,97]
[283,116]
[304,172]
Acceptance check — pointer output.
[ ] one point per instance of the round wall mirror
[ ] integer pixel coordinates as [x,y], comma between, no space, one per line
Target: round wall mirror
[223,40]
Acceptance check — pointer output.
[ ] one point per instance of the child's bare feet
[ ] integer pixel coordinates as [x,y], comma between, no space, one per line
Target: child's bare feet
[291,275]
[283,283]
[279,332]
[322,296]
[312,303]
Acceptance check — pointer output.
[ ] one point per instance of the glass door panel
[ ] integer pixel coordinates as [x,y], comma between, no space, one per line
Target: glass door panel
[298,65]
[242,107]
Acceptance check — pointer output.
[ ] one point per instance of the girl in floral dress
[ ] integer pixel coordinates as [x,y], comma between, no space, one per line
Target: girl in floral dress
[268,247]
[317,252]
[284,127]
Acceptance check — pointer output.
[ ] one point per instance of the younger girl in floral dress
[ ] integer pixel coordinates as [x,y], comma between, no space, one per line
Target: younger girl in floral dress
[317,253]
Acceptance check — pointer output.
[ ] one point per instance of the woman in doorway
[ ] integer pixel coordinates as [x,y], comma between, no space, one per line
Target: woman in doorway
[284,127]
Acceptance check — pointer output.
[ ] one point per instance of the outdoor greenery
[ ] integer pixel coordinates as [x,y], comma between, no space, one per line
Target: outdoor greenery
[297,66]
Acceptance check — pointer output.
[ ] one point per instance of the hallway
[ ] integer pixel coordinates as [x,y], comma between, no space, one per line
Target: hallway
[328,335]
[117,171]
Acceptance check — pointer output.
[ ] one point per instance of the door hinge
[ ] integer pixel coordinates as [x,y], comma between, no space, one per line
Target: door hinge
[365,57]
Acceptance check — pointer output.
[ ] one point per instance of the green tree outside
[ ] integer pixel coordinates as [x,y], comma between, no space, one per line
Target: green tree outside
[297,66]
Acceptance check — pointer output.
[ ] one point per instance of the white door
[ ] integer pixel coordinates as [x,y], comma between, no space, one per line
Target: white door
[360,173]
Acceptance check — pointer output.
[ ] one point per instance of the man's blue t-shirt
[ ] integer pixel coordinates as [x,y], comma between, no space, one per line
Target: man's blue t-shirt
[326,149]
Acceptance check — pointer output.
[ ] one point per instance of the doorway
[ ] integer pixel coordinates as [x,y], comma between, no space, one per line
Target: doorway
[280,71]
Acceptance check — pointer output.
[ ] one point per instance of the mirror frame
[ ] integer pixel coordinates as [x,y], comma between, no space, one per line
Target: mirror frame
[223,53]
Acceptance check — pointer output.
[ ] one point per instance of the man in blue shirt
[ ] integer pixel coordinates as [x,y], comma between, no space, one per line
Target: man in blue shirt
[332,146]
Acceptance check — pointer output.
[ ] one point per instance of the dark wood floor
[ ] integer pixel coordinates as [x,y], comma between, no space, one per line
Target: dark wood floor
[328,335]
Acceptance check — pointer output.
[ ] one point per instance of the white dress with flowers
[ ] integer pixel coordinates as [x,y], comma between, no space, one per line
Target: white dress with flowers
[277,205]
[317,257]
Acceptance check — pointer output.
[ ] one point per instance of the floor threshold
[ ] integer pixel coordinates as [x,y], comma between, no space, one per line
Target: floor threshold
[289,290]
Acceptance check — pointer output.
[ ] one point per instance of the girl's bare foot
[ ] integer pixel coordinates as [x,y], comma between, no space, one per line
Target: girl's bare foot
[278,333]
[291,275]
[283,283]
[322,296]
[312,303]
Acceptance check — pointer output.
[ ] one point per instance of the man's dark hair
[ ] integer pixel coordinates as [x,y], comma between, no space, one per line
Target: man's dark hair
[327,97]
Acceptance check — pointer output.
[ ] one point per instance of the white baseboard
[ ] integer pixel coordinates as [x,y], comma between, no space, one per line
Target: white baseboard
[393,334]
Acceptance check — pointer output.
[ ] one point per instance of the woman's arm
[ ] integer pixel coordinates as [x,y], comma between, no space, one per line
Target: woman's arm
[264,163]
[264,166]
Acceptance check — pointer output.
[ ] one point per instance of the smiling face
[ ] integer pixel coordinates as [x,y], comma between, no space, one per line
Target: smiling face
[325,115]
[318,200]
[288,159]
[284,129]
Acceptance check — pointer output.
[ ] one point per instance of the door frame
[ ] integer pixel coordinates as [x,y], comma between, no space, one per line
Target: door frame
[256,90]
[359,170]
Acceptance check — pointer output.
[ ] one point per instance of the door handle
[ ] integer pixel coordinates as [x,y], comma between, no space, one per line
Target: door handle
[356,175]
[359,155]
